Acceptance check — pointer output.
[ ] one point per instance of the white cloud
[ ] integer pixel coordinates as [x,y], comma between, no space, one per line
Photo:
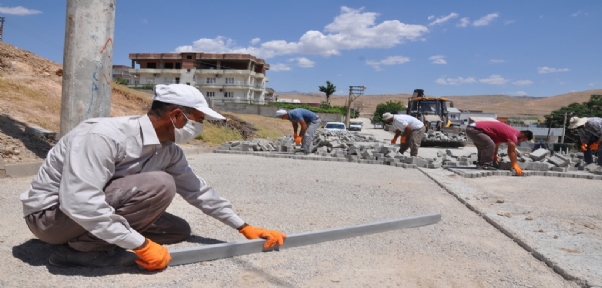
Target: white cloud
[485,20]
[391,60]
[19,10]
[508,22]
[494,80]
[463,22]
[545,70]
[495,61]
[144,21]
[279,67]
[255,41]
[577,13]
[351,29]
[522,82]
[431,17]
[455,81]
[444,19]
[438,59]
[303,62]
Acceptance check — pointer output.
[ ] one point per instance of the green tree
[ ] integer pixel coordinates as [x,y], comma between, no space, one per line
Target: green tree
[392,107]
[329,89]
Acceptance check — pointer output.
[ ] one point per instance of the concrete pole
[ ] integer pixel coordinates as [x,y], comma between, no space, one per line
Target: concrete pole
[87,61]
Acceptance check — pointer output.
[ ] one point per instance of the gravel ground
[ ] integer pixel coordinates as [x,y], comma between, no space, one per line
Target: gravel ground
[462,250]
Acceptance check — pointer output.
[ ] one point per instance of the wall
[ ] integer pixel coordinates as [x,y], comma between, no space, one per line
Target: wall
[268,111]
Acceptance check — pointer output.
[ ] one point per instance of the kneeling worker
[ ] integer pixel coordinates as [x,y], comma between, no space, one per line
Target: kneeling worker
[105,186]
[410,129]
[487,137]
[308,121]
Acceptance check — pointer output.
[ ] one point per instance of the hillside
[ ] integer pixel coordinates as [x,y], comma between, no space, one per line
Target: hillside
[503,105]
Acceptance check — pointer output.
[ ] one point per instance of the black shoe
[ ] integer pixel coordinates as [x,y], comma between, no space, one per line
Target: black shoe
[65,256]
[486,167]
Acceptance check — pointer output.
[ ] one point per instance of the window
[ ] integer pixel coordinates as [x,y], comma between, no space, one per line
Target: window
[210,94]
[168,65]
[178,65]
[229,80]
[211,81]
[228,94]
[188,56]
[169,80]
[151,65]
[188,70]
[187,83]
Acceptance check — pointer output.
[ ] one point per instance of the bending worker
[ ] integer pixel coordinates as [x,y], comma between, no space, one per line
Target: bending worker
[590,135]
[487,136]
[410,129]
[308,121]
[104,187]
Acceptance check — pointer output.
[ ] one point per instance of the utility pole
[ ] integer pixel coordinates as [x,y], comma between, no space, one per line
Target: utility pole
[354,92]
[563,128]
[1,28]
[87,61]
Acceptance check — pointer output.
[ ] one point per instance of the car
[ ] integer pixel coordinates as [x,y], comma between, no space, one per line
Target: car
[335,126]
[356,126]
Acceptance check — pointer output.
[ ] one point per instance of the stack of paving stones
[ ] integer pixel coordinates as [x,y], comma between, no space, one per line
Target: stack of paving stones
[540,162]
[353,147]
[338,146]
[438,136]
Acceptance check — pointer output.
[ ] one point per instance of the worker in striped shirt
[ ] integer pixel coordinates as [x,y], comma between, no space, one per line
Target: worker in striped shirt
[590,135]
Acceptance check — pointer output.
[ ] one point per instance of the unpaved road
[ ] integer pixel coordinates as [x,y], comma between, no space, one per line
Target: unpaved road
[462,250]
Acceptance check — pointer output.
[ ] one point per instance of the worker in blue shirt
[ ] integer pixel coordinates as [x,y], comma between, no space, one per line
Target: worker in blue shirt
[308,121]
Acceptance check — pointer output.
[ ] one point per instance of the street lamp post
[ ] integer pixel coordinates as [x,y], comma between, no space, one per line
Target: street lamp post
[354,92]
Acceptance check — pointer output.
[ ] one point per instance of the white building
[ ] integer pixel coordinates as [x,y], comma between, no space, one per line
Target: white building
[220,77]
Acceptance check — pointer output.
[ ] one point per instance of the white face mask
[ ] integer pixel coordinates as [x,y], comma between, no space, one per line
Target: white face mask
[188,132]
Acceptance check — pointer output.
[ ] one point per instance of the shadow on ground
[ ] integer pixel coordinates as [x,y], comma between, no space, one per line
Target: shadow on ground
[16,130]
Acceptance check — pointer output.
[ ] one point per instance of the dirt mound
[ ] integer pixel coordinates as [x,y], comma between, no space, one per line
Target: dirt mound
[246,129]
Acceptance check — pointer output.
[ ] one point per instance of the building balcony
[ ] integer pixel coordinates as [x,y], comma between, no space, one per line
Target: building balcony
[259,75]
[155,71]
[222,72]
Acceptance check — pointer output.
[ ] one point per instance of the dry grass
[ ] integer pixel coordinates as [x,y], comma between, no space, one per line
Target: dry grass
[22,98]
[267,127]
[215,135]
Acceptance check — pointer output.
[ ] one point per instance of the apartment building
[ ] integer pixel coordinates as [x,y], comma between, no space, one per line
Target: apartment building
[220,77]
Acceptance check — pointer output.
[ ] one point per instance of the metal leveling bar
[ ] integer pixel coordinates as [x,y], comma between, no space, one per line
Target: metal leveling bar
[225,250]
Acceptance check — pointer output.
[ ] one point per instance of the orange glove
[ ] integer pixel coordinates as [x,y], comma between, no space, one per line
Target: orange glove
[495,158]
[295,135]
[583,146]
[298,140]
[403,139]
[153,256]
[272,236]
[393,140]
[593,147]
[517,169]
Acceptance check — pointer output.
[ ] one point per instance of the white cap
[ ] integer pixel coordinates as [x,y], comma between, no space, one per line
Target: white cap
[577,122]
[387,116]
[280,112]
[187,96]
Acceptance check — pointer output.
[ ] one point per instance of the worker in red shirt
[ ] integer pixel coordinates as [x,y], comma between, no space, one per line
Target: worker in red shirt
[487,137]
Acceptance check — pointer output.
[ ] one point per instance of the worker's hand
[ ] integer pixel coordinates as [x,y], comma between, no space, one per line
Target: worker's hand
[402,140]
[583,146]
[298,140]
[153,256]
[495,158]
[517,169]
[272,236]
[393,140]
[594,147]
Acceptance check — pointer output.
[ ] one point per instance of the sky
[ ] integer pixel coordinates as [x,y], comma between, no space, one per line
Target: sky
[518,48]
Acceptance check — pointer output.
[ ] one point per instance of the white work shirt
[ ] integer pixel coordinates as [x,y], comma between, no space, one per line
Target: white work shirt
[400,122]
[79,166]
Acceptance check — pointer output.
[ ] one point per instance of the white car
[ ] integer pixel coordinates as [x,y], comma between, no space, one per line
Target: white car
[335,126]
[355,126]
